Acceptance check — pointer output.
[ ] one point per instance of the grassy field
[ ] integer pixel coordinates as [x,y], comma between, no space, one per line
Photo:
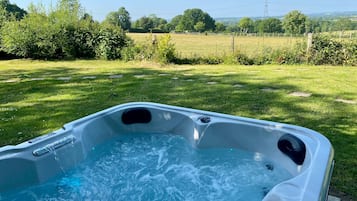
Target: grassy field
[193,45]
[37,97]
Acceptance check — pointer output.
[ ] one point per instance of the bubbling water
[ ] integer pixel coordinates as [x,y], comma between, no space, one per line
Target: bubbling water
[161,167]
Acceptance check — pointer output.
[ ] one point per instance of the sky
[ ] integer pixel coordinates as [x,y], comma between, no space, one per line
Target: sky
[215,8]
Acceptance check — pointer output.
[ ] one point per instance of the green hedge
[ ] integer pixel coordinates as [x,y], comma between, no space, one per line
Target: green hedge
[58,35]
[326,50]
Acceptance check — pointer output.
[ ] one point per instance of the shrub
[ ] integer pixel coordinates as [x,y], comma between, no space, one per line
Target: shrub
[243,59]
[165,49]
[130,52]
[61,33]
[238,58]
[109,42]
[350,53]
[144,51]
[326,50]
[287,56]
[211,60]
[31,37]
[78,42]
[263,59]
[229,59]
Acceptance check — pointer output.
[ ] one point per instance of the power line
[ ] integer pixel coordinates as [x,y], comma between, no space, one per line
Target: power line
[266,9]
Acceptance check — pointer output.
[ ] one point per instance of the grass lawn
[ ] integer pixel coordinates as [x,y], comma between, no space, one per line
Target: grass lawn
[219,44]
[37,97]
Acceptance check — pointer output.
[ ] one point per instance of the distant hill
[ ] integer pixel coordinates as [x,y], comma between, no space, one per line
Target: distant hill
[334,15]
[325,15]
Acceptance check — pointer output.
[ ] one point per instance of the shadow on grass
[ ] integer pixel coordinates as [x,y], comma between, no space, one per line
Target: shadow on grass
[38,102]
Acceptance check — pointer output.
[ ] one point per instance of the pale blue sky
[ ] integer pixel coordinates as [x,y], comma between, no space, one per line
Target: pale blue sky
[216,8]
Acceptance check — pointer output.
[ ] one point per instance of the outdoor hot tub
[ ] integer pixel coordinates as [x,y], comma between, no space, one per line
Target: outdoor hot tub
[149,151]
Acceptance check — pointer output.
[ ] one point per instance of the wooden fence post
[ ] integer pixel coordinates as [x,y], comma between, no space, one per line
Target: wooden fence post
[309,42]
[309,45]
[233,50]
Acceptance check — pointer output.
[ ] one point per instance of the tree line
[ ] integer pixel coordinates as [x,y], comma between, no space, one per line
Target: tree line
[196,20]
[66,31]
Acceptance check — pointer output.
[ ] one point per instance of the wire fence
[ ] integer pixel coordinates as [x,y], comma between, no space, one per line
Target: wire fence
[335,34]
[252,44]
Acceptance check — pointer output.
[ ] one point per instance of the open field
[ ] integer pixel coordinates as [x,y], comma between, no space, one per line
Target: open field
[343,35]
[193,45]
[37,97]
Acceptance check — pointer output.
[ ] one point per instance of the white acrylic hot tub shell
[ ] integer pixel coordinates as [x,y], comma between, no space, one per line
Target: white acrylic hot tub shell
[23,164]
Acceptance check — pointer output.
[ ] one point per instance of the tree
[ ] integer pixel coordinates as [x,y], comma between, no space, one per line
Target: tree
[4,16]
[180,27]
[191,17]
[71,8]
[295,22]
[270,25]
[158,23]
[220,27]
[200,26]
[232,28]
[151,23]
[87,17]
[343,24]
[12,9]
[259,26]
[322,25]
[174,23]
[313,26]
[144,23]
[209,22]
[124,18]
[246,25]
[119,18]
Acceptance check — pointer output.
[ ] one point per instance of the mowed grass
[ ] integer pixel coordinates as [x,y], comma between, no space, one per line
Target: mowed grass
[37,97]
[194,45]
